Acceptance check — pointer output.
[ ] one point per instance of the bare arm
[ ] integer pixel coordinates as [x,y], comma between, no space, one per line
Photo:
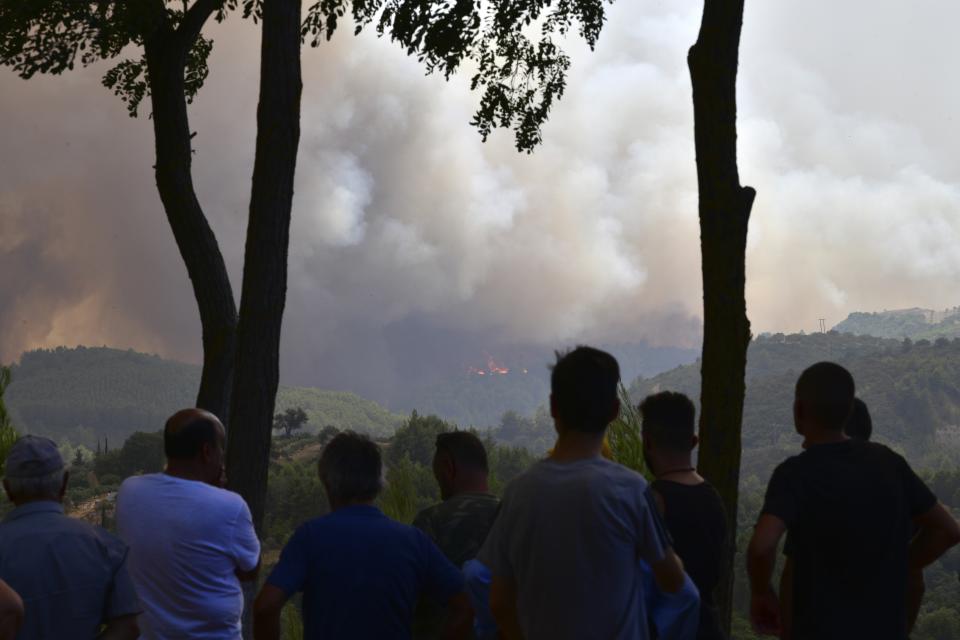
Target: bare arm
[503,605]
[938,532]
[266,613]
[249,576]
[11,612]
[122,628]
[668,572]
[761,560]
[459,622]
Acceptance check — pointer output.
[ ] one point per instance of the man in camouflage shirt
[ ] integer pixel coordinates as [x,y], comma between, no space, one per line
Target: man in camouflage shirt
[458,525]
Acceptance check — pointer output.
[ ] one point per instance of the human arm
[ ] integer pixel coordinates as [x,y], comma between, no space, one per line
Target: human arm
[266,612]
[249,576]
[675,616]
[655,545]
[668,572]
[937,533]
[459,621]
[786,600]
[244,544]
[11,612]
[286,579]
[761,560]
[122,603]
[122,628]
[503,605]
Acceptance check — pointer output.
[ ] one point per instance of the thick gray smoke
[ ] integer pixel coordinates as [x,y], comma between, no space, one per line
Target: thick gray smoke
[416,243]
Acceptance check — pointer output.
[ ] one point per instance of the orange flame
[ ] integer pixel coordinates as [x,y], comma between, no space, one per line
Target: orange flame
[491,369]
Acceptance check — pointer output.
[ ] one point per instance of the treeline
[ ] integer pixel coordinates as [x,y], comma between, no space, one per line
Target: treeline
[88,394]
[479,400]
[906,323]
[912,389]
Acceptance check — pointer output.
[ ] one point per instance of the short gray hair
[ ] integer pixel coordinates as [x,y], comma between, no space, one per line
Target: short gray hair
[46,486]
[351,468]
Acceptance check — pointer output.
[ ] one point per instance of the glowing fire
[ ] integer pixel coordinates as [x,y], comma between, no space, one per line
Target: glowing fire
[491,369]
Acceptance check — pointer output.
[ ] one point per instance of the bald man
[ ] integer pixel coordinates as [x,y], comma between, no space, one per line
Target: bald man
[191,541]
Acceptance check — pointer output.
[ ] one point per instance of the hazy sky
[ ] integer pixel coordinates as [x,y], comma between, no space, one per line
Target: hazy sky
[406,226]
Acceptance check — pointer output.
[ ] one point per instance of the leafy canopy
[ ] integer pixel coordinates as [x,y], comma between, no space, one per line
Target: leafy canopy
[508,44]
[290,420]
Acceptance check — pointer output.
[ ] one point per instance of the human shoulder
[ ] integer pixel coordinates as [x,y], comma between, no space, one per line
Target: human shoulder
[110,546]
[879,450]
[792,465]
[468,503]
[425,519]
[134,484]
[612,477]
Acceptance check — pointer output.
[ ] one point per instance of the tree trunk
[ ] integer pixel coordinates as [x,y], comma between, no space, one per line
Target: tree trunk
[166,59]
[724,214]
[265,264]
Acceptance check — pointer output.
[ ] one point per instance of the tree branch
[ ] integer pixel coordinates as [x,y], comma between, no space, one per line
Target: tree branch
[194,19]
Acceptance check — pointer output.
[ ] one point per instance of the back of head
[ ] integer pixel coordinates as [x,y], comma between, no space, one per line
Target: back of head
[583,386]
[859,425]
[825,393]
[351,469]
[465,449]
[34,470]
[669,421]
[187,431]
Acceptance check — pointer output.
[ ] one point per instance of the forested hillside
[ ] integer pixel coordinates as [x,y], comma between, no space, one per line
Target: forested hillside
[912,389]
[480,400]
[479,396]
[91,393]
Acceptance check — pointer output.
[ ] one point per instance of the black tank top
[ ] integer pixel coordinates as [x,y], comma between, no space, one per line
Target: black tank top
[695,517]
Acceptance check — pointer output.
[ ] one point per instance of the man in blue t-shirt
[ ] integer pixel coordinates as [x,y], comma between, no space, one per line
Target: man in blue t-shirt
[360,572]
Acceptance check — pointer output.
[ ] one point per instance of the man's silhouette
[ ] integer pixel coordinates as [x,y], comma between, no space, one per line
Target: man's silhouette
[851,508]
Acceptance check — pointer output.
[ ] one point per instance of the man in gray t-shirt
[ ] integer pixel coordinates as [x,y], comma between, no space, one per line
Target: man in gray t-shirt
[565,548]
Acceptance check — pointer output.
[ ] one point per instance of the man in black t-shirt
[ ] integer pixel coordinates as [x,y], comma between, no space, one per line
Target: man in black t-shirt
[859,426]
[851,508]
[691,507]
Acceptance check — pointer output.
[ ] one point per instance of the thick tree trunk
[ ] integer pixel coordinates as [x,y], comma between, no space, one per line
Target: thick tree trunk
[166,59]
[724,215]
[265,265]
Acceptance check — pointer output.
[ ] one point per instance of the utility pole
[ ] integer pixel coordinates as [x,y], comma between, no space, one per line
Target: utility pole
[823,325]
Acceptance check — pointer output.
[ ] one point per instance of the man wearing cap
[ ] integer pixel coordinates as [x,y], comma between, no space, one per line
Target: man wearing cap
[71,575]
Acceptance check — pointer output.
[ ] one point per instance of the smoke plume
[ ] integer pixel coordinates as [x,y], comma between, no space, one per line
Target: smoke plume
[414,244]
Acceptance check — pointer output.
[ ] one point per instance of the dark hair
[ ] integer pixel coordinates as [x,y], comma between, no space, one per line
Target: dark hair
[584,388]
[859,425]
[350,468]
[186,442]
[826,390]
[465,448]
[668,420]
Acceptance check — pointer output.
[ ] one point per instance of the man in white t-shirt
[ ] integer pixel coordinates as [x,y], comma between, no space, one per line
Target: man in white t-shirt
[191,541]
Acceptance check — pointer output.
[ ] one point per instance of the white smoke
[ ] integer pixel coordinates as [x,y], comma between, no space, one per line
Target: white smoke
[404,216]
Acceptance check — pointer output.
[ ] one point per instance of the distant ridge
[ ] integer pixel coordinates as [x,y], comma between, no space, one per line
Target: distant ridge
[86,394]
[911,388]
[914,323]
